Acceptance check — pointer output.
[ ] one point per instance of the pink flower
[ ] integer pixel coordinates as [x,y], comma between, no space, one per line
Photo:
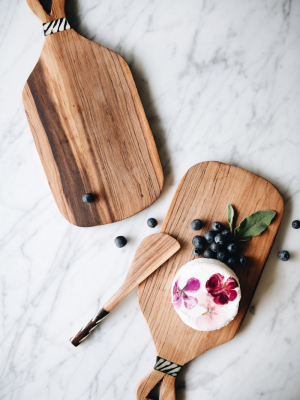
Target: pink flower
[192,285]
[222,292]
[214,316]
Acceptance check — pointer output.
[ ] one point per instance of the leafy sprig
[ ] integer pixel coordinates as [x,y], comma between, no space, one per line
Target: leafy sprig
[253,225]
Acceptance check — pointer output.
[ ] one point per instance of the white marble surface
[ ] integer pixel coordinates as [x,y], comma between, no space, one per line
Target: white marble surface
[219,81]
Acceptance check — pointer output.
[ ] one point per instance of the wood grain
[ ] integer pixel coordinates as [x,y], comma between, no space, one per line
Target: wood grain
[152,252]
[204,192]
[167,388]
[90,128]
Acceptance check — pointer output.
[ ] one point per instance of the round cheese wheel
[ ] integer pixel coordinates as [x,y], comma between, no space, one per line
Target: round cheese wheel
[206,294]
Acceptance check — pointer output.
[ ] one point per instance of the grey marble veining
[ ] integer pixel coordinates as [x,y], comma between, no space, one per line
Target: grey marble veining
[219,80]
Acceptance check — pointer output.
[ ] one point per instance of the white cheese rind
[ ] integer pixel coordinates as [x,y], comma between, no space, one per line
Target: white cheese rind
[206,315]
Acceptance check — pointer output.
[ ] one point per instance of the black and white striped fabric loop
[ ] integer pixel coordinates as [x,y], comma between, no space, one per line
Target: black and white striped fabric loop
[167,367]
[58,25]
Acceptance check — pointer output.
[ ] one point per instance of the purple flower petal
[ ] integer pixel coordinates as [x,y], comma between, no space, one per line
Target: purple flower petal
[221,299]
[232,295]
[175,287]
[177,295]
[189,301]
[192,285]
[214,283]
[231,283]
[177,301]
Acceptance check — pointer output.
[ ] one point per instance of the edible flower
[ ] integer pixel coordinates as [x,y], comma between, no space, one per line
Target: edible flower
[222,292]
[213,316]
[192,285]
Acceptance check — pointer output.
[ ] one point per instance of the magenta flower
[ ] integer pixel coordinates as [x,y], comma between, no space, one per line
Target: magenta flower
[222,292]
[192,285]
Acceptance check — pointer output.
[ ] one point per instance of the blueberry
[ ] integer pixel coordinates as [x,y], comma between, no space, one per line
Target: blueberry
[232,247]
[209,236]
[222,256]
[199,241]
[284,255]
[197,252]
[151,222]
[227,235]
[233,261]
[217,226]
[88,198]
[215,247]
[244,260]
[296,224]
[120,241]
[209,253]
[196,225]
[220,239]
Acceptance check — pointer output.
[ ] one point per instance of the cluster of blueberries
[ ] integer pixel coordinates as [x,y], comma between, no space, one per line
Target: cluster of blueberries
[222,244]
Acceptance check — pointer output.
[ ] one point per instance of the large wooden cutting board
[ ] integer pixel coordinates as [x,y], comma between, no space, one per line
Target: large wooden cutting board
[204,192]
[89,126]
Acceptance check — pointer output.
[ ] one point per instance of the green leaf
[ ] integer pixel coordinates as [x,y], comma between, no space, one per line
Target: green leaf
[230,216]
[254,225]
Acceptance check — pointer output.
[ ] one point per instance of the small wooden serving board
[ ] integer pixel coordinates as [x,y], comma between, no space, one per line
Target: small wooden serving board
[89,126]
[204,192]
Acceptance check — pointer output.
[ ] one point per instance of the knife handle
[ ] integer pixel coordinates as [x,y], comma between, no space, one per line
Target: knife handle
[112,303]
[89,327]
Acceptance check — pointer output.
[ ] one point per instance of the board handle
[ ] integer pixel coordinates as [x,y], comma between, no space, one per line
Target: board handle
[167,387]
[148,383]
[57,10]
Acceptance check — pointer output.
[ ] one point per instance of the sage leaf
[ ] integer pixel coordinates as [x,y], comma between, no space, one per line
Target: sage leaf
[254,225]
[230,216]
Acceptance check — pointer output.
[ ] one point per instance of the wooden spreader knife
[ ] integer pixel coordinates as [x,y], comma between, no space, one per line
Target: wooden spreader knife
[89,126]
[204,192]
[153,251]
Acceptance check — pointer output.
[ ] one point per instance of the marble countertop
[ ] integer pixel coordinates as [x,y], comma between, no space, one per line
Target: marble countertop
[219,81]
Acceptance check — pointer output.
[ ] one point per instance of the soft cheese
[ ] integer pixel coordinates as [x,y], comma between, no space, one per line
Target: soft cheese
[206,294]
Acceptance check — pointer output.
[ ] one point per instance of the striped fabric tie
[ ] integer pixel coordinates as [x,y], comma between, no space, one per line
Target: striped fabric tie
[58,25]
[167,367]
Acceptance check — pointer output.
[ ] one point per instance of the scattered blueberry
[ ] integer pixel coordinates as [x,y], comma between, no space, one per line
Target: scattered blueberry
[196,225]
[120,241]
[217,226]
[197,252]
[244,260]
[284,255]
[222,256]
[220,239]
[215,247]
[232,261]
[232,248]
[199,241]
[227,235]
[88,198]
[296,224]
[209,236]
[209,253]
[151,222]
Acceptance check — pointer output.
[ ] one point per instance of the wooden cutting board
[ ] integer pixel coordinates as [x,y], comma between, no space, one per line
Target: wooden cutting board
[89,126]
[204,192]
